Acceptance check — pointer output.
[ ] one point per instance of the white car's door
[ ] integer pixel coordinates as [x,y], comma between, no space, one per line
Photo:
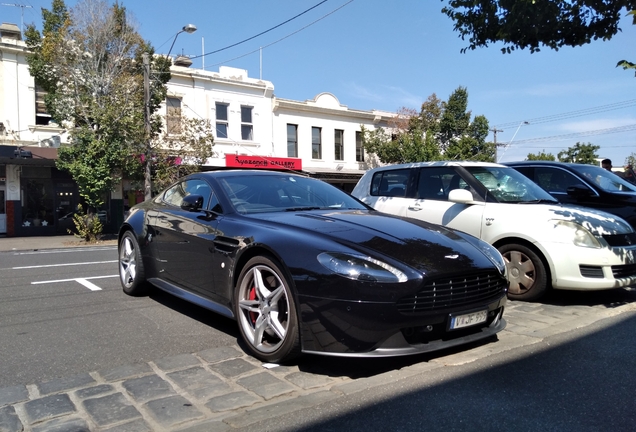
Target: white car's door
[433,205]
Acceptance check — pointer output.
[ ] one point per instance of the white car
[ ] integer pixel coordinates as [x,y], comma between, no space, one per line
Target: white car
[545,244]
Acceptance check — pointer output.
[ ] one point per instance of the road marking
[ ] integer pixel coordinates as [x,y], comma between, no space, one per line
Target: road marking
[61,265]
[68,250]
[91,286]
[83,281]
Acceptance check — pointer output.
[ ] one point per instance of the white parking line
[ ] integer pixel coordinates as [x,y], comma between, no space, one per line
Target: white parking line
[67,250]
[61,265]
[91,286]
[84,281]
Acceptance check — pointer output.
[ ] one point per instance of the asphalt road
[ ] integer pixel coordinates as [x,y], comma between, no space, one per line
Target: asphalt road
[63,313]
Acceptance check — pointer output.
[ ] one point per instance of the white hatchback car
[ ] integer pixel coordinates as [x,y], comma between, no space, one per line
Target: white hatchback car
[545,244]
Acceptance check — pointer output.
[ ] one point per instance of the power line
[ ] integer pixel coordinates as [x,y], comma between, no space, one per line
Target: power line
[260,34]
[572,114]
[618,129]
[284,37]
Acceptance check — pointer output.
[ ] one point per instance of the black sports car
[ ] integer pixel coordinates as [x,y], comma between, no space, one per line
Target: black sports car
[304,267]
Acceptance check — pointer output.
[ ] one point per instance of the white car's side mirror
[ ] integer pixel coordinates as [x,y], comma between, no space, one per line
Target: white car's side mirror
[461,196]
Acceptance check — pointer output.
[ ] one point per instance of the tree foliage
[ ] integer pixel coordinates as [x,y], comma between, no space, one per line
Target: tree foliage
[441,131]
[540,156]
[531,24]
[584,153]
[178,155]
[89,61]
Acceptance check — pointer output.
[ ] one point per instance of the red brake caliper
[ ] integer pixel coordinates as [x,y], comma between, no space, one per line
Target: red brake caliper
[253,315]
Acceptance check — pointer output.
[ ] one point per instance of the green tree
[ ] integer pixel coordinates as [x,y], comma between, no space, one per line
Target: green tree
[521,24]
[540,156]
[177,155]
[89,61]
[624,63]
[440,131]
[580,153]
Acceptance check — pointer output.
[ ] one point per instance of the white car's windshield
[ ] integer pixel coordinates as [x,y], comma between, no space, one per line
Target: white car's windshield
[604,179]
[509,185]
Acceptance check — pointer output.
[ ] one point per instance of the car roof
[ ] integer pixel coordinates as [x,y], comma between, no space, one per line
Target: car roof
[542,162]
[240,172]
[438,164]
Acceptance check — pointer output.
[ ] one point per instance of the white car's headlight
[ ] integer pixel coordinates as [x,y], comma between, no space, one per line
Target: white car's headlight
[580,236]
[360,267]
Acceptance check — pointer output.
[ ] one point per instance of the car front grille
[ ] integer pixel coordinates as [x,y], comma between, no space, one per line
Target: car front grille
[617,240]
[460,290]
[623,271]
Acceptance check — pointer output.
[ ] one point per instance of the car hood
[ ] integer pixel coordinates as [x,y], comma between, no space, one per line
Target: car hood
[423,246]
[596,221]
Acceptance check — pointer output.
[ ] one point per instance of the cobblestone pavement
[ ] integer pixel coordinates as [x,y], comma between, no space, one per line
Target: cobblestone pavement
[222,389]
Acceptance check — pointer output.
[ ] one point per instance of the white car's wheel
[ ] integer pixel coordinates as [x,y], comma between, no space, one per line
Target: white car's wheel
[266,312]
[526,272]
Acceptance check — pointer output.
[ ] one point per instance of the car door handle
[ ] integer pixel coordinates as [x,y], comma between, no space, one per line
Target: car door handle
[415,208]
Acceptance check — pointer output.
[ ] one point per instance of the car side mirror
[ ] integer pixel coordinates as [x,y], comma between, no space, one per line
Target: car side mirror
[578,191]
[460,196]
[192,203]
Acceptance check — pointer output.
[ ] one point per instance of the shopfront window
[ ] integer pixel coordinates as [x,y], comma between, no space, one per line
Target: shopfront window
[37,197]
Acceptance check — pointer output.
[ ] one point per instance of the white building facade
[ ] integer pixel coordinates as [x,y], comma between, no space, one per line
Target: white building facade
[253,129]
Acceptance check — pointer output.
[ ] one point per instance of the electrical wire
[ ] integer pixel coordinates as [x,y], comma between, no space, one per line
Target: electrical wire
[260,34]
[573,114]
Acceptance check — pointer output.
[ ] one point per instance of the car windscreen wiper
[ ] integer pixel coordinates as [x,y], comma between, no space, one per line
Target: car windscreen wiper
[303,208]
[538,201]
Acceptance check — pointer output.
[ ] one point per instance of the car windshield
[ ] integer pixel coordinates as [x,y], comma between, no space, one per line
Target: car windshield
[509,185]
[604,179]
[253,193]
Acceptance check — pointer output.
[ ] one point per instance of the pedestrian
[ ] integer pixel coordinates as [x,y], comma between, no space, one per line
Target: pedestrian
[607,164]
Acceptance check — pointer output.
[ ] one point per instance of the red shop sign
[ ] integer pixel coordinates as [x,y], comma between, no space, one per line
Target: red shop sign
[263,162]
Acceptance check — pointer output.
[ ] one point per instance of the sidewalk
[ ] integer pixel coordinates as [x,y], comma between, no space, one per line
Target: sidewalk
[8,244]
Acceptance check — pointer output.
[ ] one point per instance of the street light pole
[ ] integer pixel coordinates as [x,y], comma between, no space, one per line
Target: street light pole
[147,162]
[147,156]
[513,137]
[189,28]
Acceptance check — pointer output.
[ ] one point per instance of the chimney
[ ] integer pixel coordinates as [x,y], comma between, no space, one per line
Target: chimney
[182,61]
[10,31]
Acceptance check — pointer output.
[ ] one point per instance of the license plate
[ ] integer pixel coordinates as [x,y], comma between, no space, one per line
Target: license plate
[467,320]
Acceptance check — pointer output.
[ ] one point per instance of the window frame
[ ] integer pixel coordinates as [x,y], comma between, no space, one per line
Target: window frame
[173,115]
[359,147]
[338,135]
[224,122]
[292,144]
[247,125]
[316,145]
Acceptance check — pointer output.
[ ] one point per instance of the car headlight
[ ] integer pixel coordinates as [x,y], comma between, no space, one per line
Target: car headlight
[360,267]
[577,234]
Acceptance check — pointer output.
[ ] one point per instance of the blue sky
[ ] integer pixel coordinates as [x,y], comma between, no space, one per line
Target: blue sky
[378,54]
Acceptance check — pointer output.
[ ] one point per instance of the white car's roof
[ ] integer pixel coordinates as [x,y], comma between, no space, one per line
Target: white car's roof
[440,163]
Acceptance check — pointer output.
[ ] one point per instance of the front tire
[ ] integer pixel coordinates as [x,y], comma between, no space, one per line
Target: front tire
[131,266]
[266,311]
[526,272]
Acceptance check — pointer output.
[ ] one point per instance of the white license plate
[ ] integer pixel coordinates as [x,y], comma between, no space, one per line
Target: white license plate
[467,320]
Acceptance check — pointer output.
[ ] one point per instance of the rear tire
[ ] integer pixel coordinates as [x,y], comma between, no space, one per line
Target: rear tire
[266,312]
[131,266]
[526,272]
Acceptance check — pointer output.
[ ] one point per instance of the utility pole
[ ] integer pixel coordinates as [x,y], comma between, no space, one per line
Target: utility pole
[147,155]
[494,133]
[21,6]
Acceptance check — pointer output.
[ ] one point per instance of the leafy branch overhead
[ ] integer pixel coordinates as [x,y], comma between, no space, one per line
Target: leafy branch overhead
[531,24]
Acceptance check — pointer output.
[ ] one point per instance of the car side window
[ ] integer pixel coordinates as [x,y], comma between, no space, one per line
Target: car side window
[174,196]
[554,180]
[434,183]
[390,183]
